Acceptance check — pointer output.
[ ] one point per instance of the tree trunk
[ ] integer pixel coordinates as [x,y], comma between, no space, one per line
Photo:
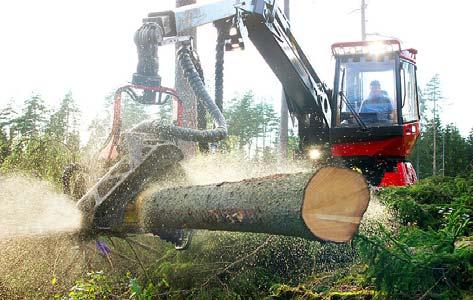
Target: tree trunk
[434,157]
[327,205]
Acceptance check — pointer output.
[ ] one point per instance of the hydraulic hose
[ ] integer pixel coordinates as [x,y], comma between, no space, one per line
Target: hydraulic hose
[222,29]
[189,68]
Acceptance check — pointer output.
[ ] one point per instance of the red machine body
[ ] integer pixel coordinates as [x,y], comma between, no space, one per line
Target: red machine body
[399,146]
[403,174]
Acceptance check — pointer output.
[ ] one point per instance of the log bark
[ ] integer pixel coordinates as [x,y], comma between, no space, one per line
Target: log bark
[327,205]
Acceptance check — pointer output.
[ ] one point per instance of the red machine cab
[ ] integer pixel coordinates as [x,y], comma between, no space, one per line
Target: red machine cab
[375,122]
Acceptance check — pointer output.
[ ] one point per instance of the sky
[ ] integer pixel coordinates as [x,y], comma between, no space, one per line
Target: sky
[52,47]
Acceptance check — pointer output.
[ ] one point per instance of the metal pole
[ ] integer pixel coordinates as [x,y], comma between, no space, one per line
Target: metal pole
[363,20]
[189,118]
[283,122]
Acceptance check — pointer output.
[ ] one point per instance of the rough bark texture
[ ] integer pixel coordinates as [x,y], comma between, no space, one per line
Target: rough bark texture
[305,205]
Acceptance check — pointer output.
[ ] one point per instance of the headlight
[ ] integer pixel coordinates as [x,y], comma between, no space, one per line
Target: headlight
[314,154]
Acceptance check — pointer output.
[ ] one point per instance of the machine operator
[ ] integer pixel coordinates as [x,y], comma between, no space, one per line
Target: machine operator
[378,105]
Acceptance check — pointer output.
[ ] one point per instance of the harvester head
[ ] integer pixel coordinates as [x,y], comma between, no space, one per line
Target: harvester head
[108,207]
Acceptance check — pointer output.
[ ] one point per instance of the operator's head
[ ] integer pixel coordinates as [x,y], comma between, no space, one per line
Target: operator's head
[375,86]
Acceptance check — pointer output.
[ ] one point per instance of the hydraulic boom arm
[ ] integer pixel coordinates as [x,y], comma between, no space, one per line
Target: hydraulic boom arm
[269,30]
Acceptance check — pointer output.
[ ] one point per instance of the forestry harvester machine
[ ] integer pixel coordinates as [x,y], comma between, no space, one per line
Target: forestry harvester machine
[335,122]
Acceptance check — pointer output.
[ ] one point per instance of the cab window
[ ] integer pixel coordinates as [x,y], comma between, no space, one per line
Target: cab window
[408,93]
[367,92]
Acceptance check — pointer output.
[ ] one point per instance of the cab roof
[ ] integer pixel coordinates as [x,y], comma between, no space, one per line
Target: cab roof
[375,47]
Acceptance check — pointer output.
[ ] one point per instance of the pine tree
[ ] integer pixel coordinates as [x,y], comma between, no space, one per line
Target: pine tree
[63,124]
[25,136]
[244,120]
[7,122]
[433,94]
[270,121]
[7,115]
[423,152]
[44,148]
[32,121]
[4,148]
[422,105]
[455,154]
[469,141]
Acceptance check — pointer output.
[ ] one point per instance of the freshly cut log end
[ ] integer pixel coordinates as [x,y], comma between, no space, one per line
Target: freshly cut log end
[335,200]
[327,205]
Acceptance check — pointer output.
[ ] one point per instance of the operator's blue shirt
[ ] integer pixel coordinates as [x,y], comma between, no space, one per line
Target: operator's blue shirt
[379,104]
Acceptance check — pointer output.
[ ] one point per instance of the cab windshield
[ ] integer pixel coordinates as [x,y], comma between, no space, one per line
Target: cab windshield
[367,92]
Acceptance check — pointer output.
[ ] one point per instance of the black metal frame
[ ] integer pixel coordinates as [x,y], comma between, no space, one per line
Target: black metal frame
[401,121]
[269,30]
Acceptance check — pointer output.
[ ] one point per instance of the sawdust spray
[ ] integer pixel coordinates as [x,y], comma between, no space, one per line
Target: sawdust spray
[30,206]
[36,238]
[208,169]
